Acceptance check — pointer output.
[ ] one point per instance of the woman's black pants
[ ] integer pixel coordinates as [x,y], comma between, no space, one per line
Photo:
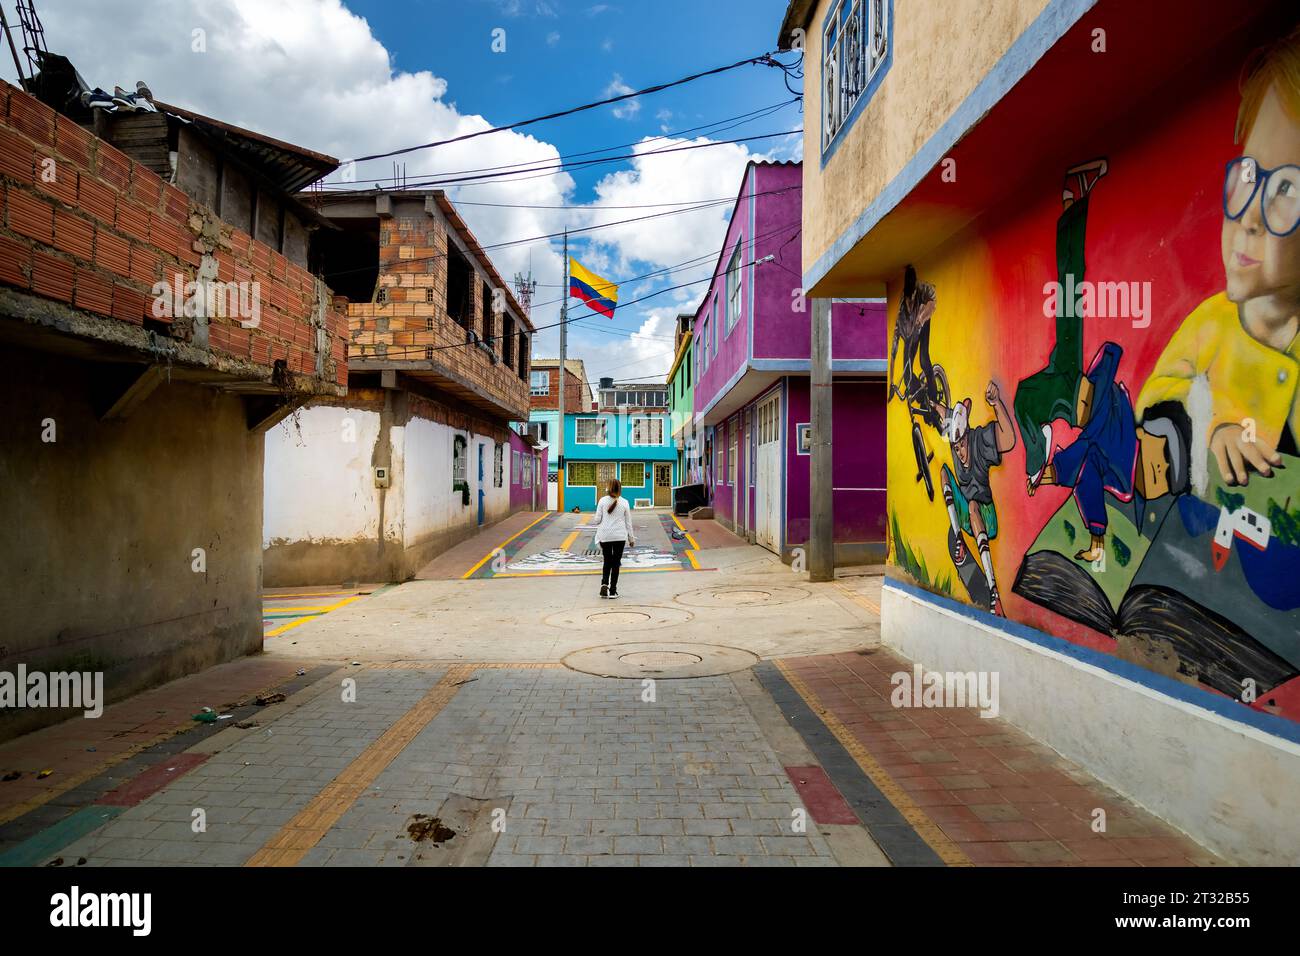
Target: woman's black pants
[613,551]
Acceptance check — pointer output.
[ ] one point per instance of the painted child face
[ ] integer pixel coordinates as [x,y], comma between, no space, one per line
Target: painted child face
[1258,263]
[958,421]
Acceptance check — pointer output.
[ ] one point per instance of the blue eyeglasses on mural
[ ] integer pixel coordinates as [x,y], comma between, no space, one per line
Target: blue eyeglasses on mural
[1279,187]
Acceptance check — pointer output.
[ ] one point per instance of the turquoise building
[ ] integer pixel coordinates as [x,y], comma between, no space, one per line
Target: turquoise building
[629,438]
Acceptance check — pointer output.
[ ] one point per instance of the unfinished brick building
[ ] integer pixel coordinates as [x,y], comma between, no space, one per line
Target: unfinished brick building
[417,457]
[136,392]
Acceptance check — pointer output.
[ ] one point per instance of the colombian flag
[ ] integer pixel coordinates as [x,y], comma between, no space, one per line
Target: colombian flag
[598,293]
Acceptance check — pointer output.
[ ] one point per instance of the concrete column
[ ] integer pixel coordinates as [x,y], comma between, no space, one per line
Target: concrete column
[821,532]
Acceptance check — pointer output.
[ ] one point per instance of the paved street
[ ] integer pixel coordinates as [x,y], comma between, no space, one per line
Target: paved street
[459,720]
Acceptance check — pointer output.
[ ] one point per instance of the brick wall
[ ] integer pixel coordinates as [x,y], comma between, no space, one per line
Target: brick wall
[413,322]
[83,224]
[575,399]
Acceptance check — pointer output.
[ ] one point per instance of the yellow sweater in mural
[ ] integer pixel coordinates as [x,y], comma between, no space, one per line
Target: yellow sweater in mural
[1247,378]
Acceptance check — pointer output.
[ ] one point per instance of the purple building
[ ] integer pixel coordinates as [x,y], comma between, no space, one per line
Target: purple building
[752,349]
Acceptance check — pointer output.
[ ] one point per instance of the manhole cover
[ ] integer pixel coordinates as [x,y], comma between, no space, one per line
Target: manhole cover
[628,617]
[741,597]
[659,660]
[618,617]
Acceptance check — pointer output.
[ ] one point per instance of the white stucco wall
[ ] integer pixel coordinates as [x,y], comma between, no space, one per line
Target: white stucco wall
[318,485]
[320,491]
[1230,786]
[431,505]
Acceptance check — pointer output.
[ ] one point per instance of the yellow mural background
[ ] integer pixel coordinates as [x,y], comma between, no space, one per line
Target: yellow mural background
[959,341]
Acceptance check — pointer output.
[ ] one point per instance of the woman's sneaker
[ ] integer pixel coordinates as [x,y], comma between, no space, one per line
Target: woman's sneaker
[604,590]
[613,594]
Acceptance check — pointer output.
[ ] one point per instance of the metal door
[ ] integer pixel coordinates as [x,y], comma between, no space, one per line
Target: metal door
[768,486]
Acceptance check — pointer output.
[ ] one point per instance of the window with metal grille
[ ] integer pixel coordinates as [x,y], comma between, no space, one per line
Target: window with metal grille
[647,431]
[632,474]
[582,474]
[855,51]
[589,431]
[540,383]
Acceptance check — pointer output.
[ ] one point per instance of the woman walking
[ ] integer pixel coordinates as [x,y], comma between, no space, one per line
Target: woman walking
[613,532]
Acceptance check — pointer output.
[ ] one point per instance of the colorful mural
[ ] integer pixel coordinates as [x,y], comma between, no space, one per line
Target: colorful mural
[1164,528]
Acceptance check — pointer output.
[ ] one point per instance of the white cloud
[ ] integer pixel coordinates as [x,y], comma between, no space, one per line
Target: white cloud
[688,176]
[644,357]
[552,38]
[628,108]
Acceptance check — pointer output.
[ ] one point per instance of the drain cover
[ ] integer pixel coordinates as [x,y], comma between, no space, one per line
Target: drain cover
[628,617]
[740,597]
[743,597]
[659,660]
[618,617]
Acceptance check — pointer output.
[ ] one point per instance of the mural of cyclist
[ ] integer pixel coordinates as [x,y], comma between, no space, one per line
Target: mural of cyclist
[966,491]
[915,308]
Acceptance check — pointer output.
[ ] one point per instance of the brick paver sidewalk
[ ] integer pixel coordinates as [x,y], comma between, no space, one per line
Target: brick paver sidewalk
[978,785]
[81,748]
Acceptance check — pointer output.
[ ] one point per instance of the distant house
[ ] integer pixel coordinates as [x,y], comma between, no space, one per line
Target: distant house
[544,406]
[628,436]
[681,404]
[420,454]
[751,347]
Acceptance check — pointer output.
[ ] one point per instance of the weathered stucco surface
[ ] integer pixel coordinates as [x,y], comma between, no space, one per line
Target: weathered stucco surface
[101,525]
[917,96]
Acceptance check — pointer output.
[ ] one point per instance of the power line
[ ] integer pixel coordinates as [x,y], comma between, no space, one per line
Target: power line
[734,121]
[677,266]
[536,240]
[425,349]
[766,59]
[541,171]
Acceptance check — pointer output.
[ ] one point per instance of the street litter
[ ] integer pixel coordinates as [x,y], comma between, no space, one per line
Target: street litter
[269,699]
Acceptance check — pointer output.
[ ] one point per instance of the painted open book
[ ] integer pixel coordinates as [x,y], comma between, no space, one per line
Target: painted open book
[1207,586]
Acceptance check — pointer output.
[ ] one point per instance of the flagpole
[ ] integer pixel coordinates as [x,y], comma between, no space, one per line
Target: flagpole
[564,342]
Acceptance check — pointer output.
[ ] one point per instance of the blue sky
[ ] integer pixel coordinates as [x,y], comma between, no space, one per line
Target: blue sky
[560,53]
[356,77]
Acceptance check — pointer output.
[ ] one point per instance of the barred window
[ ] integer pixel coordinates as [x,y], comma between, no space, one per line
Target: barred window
[589,431]
[632,474]
[582,473]
[647,431]
[855,45]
